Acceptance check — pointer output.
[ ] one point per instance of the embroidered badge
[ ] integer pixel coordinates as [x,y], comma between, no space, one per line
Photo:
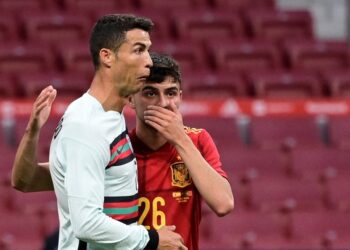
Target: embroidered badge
[180,175]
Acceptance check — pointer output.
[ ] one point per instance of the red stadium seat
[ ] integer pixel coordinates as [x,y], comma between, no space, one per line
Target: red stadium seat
[7,156]
[338,83]
[56,27]
[311,163]
[33,202]
[312,229]
[338,191]
[8,88]
[243,56]
[71,85]
[6,191]
[207,84]
[339,131]
[318,55]
[276,25]
[29,5]
[286,84]
[272,132]
[242,230]
[243,4]
[22,58]
[162,29]
[90,6]
[273,194]
[171,5]
[261,162]
[190,56]
[75,57]
[228,137]
[207,25]
[21,227]
[9,30]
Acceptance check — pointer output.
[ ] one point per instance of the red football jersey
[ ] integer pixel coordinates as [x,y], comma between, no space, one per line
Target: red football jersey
[166,190]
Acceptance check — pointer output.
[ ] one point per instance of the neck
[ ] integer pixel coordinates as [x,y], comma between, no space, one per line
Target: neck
[103,89]
[149,136]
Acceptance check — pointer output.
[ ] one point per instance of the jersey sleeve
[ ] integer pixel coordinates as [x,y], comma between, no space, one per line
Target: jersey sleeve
[86,157]
[210,152]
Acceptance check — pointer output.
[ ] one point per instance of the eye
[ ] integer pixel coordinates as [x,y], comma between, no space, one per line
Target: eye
[139,50]
[172,93]
[149,93]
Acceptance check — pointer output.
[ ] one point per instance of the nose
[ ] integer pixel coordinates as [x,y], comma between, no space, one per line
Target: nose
[149,62]
[163,101]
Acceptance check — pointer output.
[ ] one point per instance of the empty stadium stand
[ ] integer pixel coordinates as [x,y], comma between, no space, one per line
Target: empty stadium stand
[288,166]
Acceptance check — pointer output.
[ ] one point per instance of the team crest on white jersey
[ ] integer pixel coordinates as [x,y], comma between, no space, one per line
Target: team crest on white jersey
[180,175]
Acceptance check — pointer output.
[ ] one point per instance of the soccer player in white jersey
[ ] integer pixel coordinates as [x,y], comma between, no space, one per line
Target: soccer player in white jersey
[92,164]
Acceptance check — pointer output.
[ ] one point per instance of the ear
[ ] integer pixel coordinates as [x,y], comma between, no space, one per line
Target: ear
[106,57]
[180,93]
[131,101]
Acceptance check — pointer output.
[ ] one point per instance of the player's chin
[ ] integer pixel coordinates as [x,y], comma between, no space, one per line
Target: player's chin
[138,86]
[133,90]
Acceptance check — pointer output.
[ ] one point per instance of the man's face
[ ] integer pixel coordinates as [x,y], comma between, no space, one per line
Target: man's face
[133,62]
[159,94]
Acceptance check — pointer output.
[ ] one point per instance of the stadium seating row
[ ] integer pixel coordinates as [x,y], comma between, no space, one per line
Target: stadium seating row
[251,230]
[240,70]
[199,25]
[88,5]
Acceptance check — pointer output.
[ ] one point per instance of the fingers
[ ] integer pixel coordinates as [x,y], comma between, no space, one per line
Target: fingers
[158,109]
[174,107]
[182,244]
[156,118]
[171,227]
[45,94]
[48,94]
[52,96]
[159,112]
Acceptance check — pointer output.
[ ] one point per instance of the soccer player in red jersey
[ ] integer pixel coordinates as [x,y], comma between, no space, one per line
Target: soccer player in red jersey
[178,166]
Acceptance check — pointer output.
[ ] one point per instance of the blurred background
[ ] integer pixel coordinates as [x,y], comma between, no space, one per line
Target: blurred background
[269,79]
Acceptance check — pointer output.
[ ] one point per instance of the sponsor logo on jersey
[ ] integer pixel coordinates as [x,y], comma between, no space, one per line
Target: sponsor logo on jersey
[180,175]
[182,196]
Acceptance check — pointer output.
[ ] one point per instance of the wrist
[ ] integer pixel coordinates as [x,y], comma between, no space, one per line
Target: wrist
[153,240]
[32,128]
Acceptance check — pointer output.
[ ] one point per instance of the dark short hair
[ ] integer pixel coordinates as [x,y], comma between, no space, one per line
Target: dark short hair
[110,31]
[163,65]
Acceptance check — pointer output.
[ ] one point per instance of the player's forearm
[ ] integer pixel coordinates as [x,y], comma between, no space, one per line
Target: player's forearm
[27,174]
[91,225]
[214,188]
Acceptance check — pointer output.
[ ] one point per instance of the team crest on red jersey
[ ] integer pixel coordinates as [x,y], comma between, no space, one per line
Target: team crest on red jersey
[180,175]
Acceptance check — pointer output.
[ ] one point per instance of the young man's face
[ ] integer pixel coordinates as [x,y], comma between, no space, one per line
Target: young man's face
[133,62]
[159,94]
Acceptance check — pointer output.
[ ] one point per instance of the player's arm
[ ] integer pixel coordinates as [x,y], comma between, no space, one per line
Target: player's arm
[214,188]
[27,174]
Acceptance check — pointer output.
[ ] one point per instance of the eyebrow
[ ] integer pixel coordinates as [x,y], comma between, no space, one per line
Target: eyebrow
[172,88]
[167,89]
[143,45]
[149,88]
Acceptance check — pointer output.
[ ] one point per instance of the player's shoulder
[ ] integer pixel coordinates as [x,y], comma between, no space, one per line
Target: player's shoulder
[87,114]
[80,108]
[198,135]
